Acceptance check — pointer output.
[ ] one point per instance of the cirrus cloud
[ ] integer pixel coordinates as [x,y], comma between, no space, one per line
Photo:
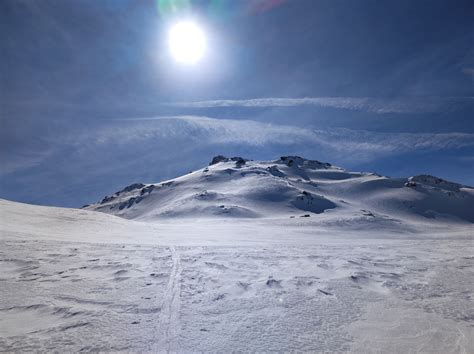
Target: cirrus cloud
[369,104]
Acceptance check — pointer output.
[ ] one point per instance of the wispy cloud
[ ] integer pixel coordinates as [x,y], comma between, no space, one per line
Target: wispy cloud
[205,130]
[369,104]
[140,138]
[22,160]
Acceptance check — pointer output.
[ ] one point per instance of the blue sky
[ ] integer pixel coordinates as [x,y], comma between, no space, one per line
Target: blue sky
[91,99]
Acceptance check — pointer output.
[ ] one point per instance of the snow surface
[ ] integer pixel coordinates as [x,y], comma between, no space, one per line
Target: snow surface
[376,267]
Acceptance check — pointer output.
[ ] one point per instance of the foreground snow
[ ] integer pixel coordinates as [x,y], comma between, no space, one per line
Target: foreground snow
[75,280]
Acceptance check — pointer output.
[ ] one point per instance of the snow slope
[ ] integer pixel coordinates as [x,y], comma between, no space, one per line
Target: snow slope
[291,187]
[75,280]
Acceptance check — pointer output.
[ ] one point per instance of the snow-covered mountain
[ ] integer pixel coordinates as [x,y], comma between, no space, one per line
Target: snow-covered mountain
[286,255]
[291,187]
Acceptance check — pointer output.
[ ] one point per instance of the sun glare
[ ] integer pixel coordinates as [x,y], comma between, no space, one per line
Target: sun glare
[187,42]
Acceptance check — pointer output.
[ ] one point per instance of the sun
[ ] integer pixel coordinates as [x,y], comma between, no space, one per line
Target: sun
[187,42]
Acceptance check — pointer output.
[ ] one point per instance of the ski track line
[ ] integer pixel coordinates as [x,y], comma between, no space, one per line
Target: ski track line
[168,329]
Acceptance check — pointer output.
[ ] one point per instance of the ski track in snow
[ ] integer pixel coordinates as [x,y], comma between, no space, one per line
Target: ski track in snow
[169,318]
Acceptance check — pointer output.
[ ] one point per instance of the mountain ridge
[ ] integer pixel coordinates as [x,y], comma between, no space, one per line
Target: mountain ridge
[290,186]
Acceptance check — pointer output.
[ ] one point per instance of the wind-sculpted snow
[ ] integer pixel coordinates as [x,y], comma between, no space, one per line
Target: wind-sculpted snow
[348,294]
[291,186]
[75,280]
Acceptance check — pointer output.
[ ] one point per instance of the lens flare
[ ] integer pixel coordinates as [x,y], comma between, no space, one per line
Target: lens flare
[167,8]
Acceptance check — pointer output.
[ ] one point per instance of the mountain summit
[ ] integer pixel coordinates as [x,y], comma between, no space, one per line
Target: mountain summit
[291,187]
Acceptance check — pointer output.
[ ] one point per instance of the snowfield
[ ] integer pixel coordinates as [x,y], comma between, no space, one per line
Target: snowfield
[288,255]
